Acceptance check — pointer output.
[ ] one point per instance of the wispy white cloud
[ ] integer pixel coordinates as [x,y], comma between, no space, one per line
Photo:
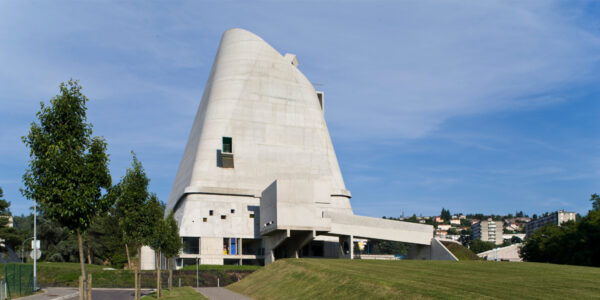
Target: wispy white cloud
[394,72]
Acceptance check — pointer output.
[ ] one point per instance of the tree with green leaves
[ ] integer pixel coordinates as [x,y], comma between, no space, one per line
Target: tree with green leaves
[445,215]
[479,246]
[135,218]
[8,235]
[574,243]
[68,169]
[172,244]
[595,201]
[156,240]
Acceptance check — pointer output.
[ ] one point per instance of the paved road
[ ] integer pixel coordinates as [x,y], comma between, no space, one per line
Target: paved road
[219,293]
[113,294]
[54,293]
[97,294]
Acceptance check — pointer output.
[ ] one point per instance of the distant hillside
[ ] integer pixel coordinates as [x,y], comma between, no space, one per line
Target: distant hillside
[461,252]
[402,279]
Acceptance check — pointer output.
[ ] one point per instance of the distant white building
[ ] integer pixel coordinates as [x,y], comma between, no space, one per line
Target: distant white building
[259,179]
[508,253]
[555,218]
[489,231]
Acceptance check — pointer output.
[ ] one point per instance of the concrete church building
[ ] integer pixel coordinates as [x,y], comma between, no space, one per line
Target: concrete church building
[259,179]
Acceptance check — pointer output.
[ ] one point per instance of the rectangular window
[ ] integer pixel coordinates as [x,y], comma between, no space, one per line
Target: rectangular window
[210,212]
[251,216]
[191,245]
[204,220]
[233,211]
[227,145]
[223,217]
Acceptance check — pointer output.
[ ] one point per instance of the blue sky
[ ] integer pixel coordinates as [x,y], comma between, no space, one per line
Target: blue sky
[475,106]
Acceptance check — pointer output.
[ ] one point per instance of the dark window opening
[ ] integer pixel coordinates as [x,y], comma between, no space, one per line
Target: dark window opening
[210,212]
[227,145]
[223,217]
[233,211]
[251,216]
[204,220]
[320,98]
[191,245]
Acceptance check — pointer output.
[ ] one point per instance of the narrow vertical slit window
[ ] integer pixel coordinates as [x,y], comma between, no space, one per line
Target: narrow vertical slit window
[227,145]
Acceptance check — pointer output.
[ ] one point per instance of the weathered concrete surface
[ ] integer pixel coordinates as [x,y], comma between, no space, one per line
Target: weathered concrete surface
[219,293]
[259,166]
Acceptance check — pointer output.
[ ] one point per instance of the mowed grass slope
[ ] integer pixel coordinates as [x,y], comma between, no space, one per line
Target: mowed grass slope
[371,279]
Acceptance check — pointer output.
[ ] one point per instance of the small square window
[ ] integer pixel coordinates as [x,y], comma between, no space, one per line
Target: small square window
[233,211]
[210,212]
[204,220]
[223,217]
[251,216]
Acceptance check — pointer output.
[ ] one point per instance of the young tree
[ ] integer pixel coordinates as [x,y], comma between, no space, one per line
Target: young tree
[135,218]
[172,244]
[445,215]
[595,199]
[9,235]
[156,240]
[68,168]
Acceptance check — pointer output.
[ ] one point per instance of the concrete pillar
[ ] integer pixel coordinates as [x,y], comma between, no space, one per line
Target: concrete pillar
[271,241]
[351,247]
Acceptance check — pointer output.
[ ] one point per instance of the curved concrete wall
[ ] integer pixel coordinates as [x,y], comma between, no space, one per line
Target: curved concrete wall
[260,99]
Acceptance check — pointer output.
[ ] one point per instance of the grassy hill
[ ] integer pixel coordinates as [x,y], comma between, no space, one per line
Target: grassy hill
[372,279]
[461,252]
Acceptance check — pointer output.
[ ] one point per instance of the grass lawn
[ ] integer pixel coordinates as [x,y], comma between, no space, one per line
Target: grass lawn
[461,252]
[223,267]
[373,279]
[183,293]
[67,274]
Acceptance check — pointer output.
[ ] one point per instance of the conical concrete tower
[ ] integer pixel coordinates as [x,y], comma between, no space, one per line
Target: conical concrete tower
[259,178]
[259,120]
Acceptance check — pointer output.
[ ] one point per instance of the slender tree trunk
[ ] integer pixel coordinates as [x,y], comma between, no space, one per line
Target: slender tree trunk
[158,276]
[135,284]
[82,262]
[128,257]
[170,273]
[89,256]
[139,268]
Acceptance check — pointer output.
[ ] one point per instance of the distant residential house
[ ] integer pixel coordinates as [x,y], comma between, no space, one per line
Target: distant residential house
[422,221]
[462,217]
[439,220]
[455,221]
[444,227]
[512,227]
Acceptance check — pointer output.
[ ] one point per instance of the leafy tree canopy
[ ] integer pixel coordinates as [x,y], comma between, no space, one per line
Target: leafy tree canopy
[68,167]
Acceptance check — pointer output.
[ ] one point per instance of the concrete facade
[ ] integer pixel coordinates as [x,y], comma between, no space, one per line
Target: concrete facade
[259,178]
[489,231]
[508,253]
[555,218]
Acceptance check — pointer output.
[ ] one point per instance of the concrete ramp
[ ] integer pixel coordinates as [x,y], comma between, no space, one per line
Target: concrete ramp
[381,229]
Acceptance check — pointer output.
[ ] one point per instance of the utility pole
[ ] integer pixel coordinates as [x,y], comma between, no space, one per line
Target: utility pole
[35,244]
